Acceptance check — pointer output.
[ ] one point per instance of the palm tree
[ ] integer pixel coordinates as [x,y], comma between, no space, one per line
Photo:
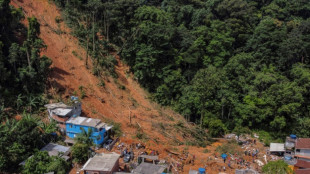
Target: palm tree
[32,102]
[19,101]
[48,128]
[85,137]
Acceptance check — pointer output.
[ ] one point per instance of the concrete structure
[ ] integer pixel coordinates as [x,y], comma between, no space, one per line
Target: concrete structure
[245,171]
[193,172]
[105,163]
[143,158]
[100,131]
[277,148]
[149,168]
[302,148]
[61,112]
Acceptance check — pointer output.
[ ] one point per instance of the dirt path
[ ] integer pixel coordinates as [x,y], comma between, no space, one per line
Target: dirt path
[108,102]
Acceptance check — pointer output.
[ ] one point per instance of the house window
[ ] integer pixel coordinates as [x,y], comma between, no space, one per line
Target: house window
[81,128]
[297,150]
[70,125]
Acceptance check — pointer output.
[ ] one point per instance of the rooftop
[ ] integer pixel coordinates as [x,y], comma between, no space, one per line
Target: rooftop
[302,163]
[277,147]
[54,149]
[90,122]
[56,105]
[303,143]
[61,111]
[150,157]
[102,162]
[150,168]
[302,171]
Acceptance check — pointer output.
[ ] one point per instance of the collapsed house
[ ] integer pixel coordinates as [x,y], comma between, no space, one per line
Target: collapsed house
[104,163]
[100,131]
[60,112]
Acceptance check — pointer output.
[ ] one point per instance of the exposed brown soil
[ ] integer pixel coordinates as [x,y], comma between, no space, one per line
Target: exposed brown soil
[108,102]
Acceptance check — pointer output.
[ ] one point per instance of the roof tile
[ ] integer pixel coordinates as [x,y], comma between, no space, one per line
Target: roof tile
[303,143]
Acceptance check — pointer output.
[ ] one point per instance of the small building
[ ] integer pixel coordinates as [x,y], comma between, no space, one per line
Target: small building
[302,148]
[302,164]
[61,112]
[302,171]
[100,131]
[55,150]
[277,148]
[104,163]
[150,168]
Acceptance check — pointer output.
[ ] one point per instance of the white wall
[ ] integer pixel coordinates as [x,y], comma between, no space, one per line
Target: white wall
[303,152]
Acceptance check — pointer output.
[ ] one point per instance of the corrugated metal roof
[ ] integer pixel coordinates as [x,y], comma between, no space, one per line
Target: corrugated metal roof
[277,147]
[90,122]
[55,149]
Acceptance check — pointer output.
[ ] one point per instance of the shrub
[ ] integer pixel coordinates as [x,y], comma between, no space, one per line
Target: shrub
[58,19]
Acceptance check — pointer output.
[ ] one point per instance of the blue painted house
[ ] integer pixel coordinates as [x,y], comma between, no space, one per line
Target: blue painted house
[76,125]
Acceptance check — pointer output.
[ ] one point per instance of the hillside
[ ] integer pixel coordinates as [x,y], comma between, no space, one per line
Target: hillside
[109,102]
[68,73]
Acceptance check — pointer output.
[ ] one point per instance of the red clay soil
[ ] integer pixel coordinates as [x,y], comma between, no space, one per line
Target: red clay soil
[69,72]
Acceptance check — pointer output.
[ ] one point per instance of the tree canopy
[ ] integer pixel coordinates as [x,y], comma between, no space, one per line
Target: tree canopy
[230,63]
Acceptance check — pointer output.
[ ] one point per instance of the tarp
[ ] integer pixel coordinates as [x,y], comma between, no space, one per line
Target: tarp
[202,170]
[224,155]
[293,136]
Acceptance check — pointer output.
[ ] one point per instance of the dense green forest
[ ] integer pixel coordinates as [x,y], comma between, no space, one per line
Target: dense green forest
[224,64]
[23,75]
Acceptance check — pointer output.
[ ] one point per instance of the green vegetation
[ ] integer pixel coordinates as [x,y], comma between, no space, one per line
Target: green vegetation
[277,167]
[82,92]
[41,162]
[221,63]
[228,148]
[23,75]
[81,149]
